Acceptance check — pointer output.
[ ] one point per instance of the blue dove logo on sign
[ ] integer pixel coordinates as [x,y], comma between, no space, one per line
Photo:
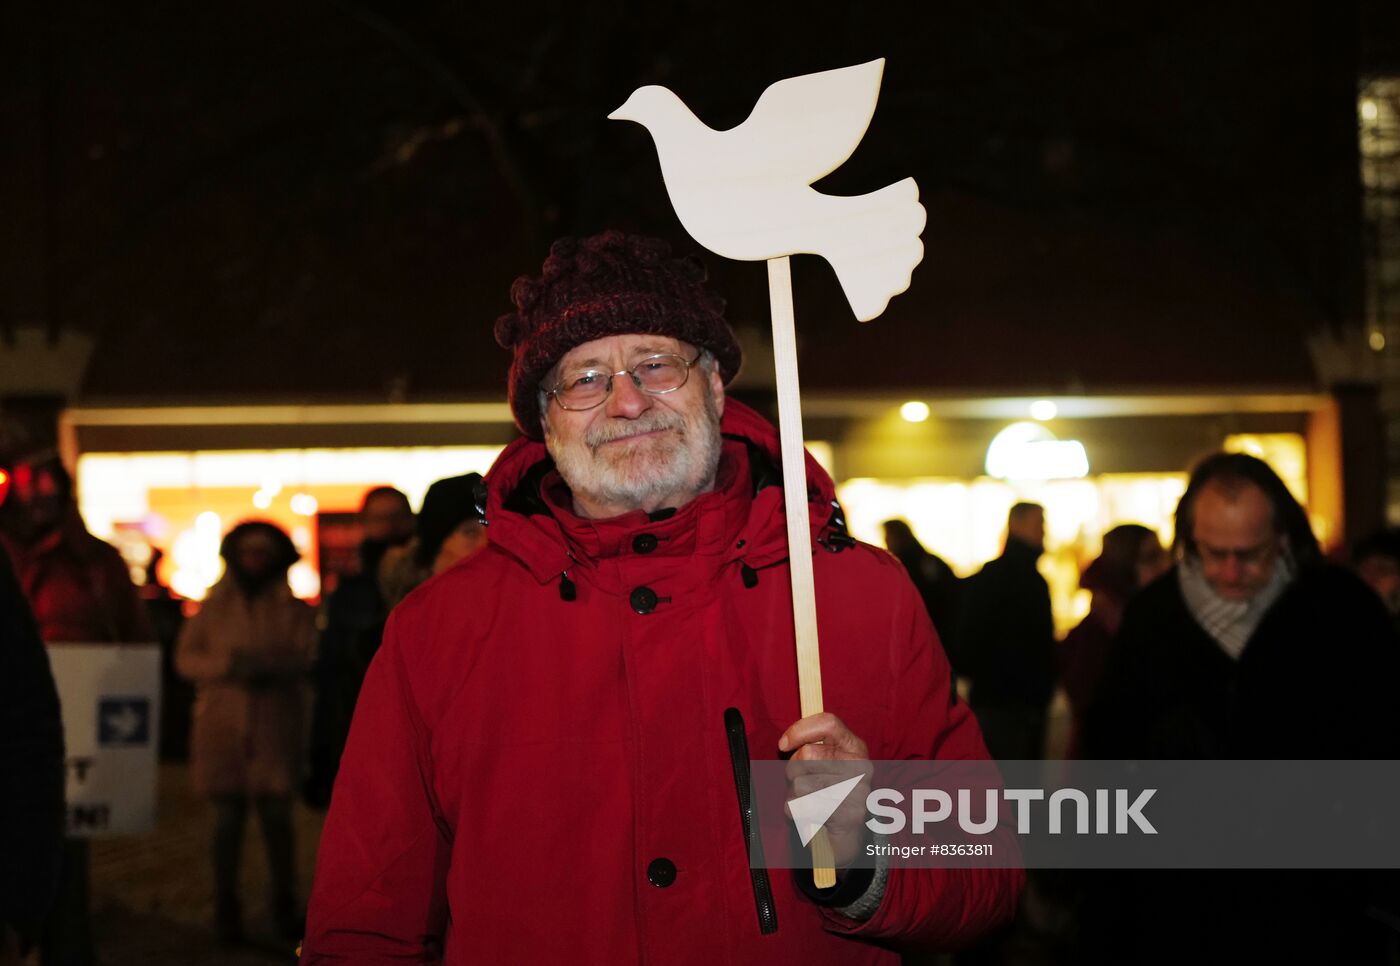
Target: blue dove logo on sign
[123,722]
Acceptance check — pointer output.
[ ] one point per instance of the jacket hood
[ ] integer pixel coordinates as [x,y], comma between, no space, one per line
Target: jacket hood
[526,505]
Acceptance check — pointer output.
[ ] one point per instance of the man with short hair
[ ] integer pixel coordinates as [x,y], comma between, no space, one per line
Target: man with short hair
[448,530]
[1006,641]
[543,763]
[354,620]
[1250,647]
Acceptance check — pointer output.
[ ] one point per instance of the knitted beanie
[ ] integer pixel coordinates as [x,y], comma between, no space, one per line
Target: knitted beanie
[609,284]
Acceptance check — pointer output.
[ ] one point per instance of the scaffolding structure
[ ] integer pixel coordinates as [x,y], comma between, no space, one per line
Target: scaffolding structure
[1378,115]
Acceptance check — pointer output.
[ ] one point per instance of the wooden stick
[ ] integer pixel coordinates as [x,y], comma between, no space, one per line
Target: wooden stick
[799,531]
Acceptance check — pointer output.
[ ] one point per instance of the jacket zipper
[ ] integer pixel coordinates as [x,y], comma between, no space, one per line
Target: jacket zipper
[758,876]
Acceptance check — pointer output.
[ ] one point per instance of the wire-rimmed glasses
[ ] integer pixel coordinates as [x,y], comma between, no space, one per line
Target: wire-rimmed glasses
[589,387]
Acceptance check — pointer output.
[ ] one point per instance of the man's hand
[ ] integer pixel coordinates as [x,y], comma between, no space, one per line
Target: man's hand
[824,752]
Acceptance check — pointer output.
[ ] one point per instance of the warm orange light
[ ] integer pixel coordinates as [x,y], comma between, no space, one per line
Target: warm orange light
[1286,453]
[198,496]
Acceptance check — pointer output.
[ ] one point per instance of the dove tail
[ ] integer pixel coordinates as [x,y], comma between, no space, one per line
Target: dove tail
[879,246]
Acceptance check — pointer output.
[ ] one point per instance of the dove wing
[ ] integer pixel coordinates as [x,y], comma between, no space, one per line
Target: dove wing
[808,126]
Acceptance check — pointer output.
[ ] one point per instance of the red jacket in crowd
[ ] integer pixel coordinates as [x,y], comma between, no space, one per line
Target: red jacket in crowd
[538,769]
[78,587]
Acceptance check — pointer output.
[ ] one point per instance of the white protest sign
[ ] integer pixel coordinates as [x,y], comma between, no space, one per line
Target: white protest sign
[111,715]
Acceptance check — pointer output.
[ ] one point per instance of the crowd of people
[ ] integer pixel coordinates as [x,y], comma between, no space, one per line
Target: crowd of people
[1215,651]
[997,625]
[626,631]
[239,675]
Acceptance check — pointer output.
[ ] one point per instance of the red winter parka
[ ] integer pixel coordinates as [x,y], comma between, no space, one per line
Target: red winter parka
[538,768]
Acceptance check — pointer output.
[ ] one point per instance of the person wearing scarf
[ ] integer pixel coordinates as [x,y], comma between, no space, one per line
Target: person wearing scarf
[1251,647]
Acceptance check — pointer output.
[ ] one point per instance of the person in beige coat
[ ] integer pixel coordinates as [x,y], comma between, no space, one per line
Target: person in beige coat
[248,651]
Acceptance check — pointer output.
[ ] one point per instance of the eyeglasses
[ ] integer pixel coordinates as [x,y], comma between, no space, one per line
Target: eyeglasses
[656,375]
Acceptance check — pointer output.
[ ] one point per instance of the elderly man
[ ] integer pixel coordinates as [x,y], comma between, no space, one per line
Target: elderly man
[1214,659]
[1250,647]
[541,767]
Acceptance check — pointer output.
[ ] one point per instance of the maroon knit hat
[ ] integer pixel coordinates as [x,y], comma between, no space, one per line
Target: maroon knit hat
[609,284]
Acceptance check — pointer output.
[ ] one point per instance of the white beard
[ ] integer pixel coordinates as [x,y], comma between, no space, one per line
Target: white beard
[676,465]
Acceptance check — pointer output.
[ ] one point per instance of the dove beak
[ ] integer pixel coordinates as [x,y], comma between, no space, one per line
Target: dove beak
[622,114]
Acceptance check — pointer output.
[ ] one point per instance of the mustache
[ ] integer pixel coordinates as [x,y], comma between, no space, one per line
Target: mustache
[648,422]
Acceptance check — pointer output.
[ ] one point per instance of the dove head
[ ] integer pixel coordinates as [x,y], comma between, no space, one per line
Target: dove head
[648,105]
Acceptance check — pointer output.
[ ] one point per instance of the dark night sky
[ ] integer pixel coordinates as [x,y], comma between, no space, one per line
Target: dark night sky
[330,199]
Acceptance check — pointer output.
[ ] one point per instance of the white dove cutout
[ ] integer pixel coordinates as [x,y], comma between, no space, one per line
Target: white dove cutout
[746,193]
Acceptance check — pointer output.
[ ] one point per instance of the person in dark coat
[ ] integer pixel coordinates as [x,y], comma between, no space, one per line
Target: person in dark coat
[354,620]
[31,774]
[1376,560]
[1132,557]
[1228,655]
[80,591]
[934,579]
[167,616]
[1006,641]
